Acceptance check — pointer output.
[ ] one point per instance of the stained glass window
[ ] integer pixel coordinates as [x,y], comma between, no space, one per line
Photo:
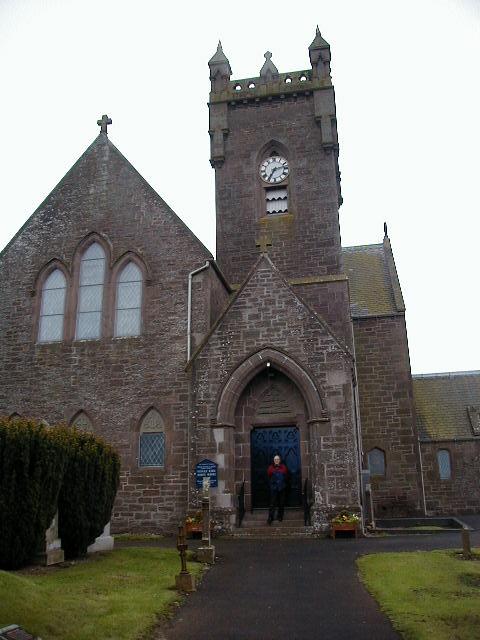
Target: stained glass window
[376,462]
[90,293]
[444,464]
[128,313]
[152,440]
[52,308]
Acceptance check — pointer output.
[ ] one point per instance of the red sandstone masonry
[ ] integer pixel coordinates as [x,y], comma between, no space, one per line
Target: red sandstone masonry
[114,380]
[387,412]
[305,242]
[461,493]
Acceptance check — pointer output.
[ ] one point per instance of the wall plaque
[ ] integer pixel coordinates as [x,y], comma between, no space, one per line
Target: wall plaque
[206,469]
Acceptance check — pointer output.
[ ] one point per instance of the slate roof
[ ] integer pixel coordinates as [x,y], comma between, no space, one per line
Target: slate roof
[374,285]
[441,404]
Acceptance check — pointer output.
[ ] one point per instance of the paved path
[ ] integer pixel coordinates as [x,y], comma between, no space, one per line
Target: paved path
[290,589]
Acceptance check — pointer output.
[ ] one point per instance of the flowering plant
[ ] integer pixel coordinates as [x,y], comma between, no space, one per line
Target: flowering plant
[195,519]
[344,517]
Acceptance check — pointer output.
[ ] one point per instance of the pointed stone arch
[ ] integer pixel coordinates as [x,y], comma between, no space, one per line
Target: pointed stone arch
[248,369]
[82,421]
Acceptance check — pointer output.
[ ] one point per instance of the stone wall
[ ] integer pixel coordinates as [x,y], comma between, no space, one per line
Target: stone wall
[114,380]
[304,242]
[267,322]
[387,412]
[460,494]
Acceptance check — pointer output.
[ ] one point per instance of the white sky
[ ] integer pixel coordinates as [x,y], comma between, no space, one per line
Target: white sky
[407,82]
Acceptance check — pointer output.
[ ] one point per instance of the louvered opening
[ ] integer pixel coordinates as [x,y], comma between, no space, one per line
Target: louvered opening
[276,200]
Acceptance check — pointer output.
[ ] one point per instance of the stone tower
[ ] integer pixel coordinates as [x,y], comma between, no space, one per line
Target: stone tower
[292,214]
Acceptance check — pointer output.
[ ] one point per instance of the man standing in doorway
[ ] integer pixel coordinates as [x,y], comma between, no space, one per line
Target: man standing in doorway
[277,475]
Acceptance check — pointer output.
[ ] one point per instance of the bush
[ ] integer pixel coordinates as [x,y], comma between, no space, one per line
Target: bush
[43,469]
[86,498]
[32,462]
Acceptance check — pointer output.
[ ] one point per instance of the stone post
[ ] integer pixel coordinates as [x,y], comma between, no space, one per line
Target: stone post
[467,548]
[53,552]
[184,581]
[206,553]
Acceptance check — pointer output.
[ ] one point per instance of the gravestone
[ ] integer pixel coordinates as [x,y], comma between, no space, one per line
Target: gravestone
[14,632]
[104,542]
[52,553]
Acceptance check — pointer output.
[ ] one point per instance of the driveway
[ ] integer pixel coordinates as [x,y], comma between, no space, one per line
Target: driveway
[289,589]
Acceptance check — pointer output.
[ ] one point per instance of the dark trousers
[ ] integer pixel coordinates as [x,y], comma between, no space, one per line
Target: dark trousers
[277,501]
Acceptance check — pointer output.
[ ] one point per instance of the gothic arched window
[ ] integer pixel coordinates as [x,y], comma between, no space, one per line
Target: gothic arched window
[83,422]
[152,440]
[128,311]
[90,293]
[52,308]
[444,464]
[376,462]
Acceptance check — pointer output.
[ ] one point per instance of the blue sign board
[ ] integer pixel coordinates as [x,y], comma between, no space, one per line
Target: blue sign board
[206,469]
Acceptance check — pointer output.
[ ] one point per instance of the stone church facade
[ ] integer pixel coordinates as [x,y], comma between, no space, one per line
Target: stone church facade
[114,317]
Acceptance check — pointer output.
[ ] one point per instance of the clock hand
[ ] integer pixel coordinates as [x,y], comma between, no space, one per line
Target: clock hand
[273,171]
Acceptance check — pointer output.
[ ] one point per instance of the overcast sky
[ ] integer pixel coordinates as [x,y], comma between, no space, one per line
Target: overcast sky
[407,84]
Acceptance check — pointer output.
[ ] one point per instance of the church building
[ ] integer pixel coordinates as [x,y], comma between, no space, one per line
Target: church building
[115,318]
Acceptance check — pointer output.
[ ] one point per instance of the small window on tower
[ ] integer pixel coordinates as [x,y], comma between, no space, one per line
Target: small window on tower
[276,199]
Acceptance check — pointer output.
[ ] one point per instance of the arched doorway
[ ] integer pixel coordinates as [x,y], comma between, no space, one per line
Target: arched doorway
[270,418]
[244,404]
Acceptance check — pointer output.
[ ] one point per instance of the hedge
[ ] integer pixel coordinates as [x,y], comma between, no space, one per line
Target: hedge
[32,464]
[88,491]
[43,469]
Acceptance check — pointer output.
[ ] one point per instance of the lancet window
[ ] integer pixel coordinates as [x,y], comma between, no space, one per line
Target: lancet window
[90,293]
[128,312]
[152,440]
[444,464]
[376,462]
[52,308]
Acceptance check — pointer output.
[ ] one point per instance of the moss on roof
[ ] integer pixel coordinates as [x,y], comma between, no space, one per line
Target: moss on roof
[371,287]
[441,401]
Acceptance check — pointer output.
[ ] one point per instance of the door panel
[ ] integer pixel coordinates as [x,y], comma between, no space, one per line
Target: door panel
[265,443]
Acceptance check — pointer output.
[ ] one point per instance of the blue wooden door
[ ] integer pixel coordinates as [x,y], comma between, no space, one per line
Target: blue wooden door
[265,443]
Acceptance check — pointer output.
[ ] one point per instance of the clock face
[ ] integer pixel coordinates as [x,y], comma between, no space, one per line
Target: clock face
[274,169]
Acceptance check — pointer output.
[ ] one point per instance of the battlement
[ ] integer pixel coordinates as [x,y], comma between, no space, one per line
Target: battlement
[279,85]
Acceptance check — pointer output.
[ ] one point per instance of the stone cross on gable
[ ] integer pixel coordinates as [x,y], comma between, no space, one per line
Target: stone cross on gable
[263,242]
[103,123]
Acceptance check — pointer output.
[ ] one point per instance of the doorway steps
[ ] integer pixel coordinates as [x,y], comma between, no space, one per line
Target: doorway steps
[254,525]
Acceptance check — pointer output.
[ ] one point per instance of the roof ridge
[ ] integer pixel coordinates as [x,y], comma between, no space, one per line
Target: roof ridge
[362,246]
[447,374]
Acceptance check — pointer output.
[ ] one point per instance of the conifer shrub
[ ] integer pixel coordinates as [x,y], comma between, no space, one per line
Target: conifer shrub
[88,490]
[44,469]
[32,464]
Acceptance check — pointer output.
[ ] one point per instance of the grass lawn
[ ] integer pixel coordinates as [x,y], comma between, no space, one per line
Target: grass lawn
[113,596]
[426,594]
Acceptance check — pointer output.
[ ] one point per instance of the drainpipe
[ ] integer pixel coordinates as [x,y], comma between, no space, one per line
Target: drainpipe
[189,307]
[358,433]
[190,374]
